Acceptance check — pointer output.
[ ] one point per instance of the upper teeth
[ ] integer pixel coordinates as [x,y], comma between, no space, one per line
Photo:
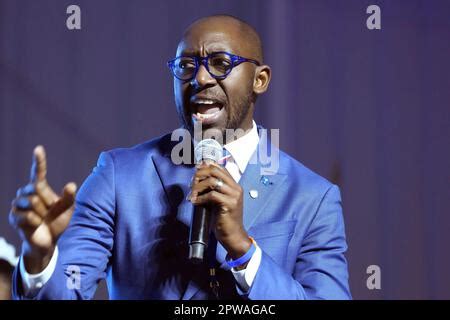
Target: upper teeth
[204,101]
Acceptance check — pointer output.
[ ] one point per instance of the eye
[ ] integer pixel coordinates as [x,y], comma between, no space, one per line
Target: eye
[220,62]
[185,63]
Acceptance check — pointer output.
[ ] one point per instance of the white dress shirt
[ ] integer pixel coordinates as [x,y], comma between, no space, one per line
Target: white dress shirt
[241,151]
[33,282]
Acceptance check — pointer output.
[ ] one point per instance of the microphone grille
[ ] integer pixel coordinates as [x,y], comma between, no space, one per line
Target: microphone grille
[208,149]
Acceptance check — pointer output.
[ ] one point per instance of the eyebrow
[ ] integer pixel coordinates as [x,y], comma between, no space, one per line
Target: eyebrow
[190,52]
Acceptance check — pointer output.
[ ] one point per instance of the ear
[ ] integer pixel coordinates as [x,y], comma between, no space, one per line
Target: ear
[262,79]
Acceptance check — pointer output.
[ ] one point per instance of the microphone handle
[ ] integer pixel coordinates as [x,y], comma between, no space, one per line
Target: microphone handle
[199,234]
[199,231]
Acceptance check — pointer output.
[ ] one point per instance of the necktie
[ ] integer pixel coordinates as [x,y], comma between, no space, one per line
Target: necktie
[225,157]
[212,247]
[212,268]
[221,282]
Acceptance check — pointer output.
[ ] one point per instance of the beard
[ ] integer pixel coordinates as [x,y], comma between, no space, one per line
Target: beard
[241,112]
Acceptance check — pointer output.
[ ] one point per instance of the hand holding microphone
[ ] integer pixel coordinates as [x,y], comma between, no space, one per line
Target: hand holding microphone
[215,190]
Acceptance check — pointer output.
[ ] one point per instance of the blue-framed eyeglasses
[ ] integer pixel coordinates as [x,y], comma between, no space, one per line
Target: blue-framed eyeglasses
[219,65]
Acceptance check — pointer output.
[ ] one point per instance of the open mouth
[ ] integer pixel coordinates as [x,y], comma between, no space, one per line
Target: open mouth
[206,111]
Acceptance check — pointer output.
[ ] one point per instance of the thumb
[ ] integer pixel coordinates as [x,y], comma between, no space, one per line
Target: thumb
[69,191]
[65,202]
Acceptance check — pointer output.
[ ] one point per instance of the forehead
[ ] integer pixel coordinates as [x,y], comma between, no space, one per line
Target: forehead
[204,39]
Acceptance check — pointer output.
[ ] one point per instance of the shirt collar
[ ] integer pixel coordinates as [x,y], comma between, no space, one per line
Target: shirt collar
[243,148]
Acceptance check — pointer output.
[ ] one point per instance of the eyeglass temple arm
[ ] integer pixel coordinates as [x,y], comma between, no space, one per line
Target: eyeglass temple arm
[240,59]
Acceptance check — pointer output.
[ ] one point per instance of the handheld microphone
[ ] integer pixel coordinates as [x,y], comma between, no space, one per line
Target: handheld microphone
[208,150]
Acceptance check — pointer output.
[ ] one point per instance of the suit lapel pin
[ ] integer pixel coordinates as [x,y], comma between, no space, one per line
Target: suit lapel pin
[265,181]
[254,193]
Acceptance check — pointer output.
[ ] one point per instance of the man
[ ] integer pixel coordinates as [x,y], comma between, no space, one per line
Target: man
[279,235]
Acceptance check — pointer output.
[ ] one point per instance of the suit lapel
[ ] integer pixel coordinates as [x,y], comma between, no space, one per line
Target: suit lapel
[259,189]
[175,181]
[253,182]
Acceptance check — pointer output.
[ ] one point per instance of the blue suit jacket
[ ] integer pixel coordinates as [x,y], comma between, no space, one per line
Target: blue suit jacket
[131,225]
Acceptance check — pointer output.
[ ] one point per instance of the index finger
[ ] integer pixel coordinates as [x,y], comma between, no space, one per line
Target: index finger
[216,171]
[39,166]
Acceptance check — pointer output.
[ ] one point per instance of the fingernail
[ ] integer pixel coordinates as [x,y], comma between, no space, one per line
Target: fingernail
[29,189]
[23,204]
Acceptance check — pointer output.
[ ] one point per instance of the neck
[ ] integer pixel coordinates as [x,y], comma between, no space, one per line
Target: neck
[234,134]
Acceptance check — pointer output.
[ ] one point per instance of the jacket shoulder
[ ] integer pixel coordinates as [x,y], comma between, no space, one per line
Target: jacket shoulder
[159,145]
[302,176]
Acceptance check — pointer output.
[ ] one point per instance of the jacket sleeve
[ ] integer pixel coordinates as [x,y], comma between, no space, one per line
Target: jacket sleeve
[320,270]
[86,246]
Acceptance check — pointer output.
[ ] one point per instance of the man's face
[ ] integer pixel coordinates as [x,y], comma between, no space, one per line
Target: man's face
[227,103]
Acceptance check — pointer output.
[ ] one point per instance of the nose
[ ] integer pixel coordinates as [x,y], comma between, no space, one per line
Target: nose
[203,78]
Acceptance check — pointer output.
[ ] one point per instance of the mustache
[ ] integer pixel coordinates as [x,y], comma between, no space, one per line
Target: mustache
[207,93]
